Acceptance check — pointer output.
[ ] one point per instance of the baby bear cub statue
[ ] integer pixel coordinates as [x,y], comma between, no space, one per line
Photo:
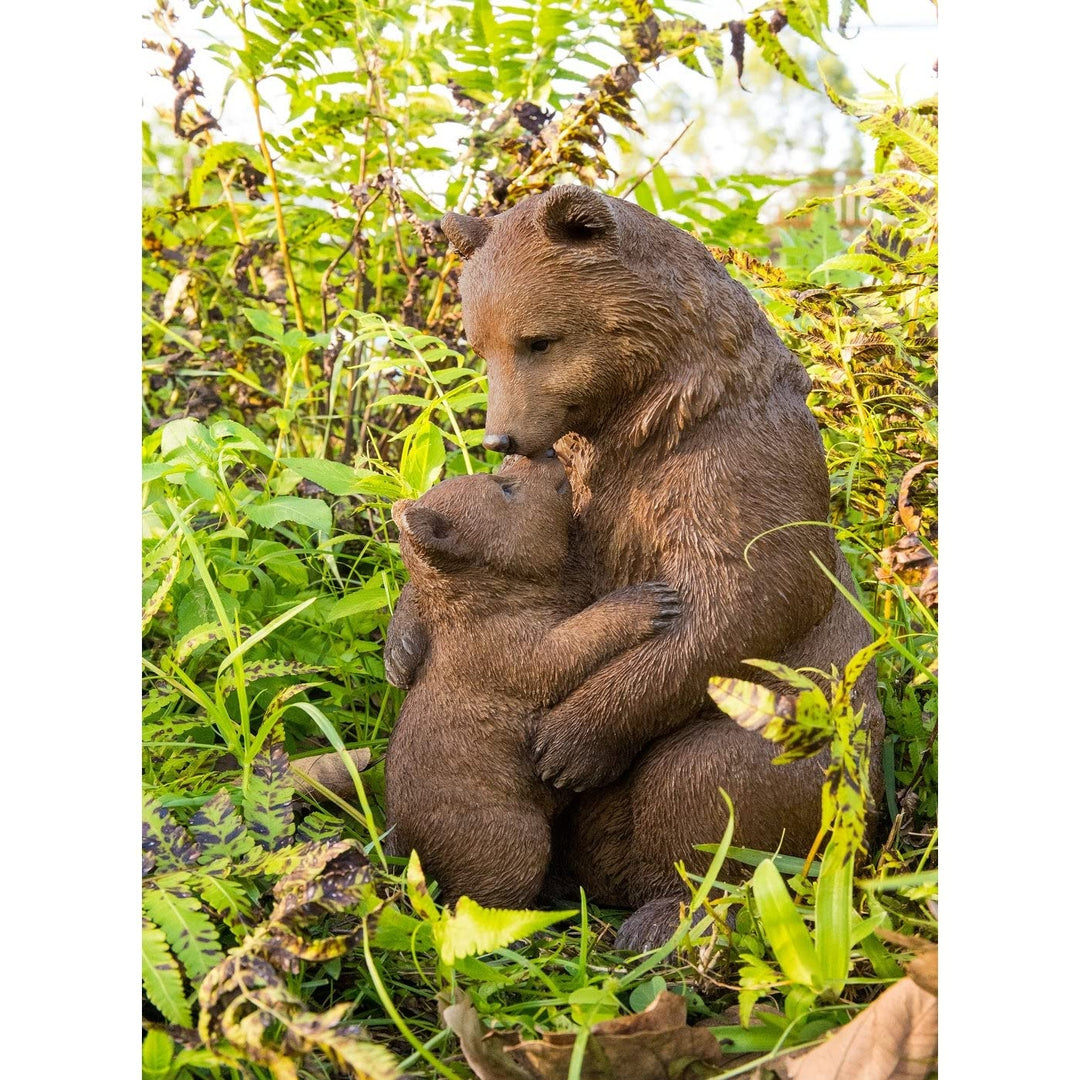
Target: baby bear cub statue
[506,639]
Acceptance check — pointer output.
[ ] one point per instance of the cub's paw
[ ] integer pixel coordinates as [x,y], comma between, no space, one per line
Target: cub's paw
[402,657]
[666,600]
[577,764]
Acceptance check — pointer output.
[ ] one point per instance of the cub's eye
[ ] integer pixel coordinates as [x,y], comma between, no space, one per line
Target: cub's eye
[507,490]
[538,345]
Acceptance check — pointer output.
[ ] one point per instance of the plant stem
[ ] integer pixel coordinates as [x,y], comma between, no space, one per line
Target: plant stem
[279,217]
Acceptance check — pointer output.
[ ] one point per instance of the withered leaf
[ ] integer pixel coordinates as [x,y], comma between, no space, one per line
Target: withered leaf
[895,1038]
[909,561]
[329,771]
[910,516]
[485,1051]
[655,1044]
[923,968]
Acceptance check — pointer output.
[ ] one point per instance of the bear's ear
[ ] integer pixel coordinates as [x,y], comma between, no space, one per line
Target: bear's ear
[432,534]
[466,234]
[575,214]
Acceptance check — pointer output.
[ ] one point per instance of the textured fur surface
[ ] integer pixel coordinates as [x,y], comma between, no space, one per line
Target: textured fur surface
[682,419]
[506,637]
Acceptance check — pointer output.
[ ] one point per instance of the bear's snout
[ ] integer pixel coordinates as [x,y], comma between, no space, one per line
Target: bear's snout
[501,444]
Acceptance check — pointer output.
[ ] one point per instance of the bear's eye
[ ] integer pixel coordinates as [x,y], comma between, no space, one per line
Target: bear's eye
[507,490]
[538,345]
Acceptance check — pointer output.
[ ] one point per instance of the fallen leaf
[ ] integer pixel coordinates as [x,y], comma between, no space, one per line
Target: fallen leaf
[330,771]
[923,970]
[908,560]
[173,295]
[910,515]
[484,1050]
[895,1038]
[655,1044]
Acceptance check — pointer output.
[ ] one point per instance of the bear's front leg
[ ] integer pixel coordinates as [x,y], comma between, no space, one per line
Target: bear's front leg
[589,739]
[406,641]
[563,658]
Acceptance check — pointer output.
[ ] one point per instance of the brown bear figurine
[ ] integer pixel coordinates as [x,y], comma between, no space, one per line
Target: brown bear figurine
[506,638]
[696,461]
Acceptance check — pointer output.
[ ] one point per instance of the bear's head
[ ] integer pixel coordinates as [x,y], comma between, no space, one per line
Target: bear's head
[586,306]
[514,525]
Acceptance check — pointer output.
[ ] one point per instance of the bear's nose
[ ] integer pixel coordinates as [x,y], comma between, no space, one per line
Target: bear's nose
[499,443]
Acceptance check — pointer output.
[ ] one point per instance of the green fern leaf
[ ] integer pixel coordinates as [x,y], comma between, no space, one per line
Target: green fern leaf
[915,135]
[473,929]
[162,981]
[187,928]
[268,798]
[774,52]
[200,635]
[218,829]
[903,194]
[226,898]
[319,827]
[167,844]
[802,725]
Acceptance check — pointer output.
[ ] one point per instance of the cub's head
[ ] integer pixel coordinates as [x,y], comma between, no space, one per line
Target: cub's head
[581,302]
[514,524]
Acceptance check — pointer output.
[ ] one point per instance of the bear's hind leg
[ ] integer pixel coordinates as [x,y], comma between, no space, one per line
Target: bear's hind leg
[503,859]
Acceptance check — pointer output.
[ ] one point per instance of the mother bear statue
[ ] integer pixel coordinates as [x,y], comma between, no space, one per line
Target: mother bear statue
[618,339]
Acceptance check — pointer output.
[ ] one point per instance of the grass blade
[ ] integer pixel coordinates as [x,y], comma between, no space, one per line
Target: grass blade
[336,742]
[263,632]
[696,901]
[833,917]
[784,928]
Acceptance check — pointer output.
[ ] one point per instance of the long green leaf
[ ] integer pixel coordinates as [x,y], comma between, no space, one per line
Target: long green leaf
[155,601]
[423,457]
[786,932]
[336,742]
[833,915]
[265,631]
[702,891]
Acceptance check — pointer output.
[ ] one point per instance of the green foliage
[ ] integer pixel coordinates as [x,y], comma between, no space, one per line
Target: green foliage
[472,929]
[806,724]
[303,368]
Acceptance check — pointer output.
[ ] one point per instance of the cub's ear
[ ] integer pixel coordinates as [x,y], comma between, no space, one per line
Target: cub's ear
[466,234]
[432,534]
[574,214]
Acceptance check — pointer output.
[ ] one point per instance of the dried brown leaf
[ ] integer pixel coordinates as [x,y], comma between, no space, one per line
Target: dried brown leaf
[908,561]
[923,971]
[485,1051]
[895,1038]
[910,515]
[655,1044]
[329,771]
